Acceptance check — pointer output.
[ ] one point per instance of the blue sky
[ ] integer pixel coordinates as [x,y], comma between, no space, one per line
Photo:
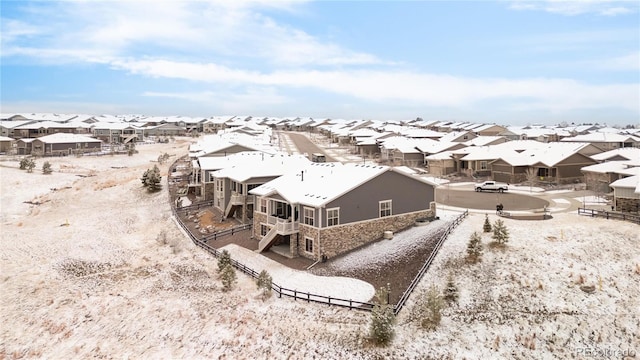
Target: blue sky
[508,62]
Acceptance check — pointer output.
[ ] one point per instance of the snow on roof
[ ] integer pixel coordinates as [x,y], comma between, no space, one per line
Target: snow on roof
[217,142]
[632,182]
[4,138]
[47,124]
[320,183]
[627,153]
[602,137]
[617,167]
[247,165]
[482,140]
[63,138]
[9,124]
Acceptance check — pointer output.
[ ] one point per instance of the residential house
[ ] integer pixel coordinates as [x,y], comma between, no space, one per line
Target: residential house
[117,133]
[7,128]
[329,208]
[64,144]
[626,193]
[6,144]
[556,163]
[606,141]
[613,165]
[489,130]
[247,170]
[24,146]
[42,128]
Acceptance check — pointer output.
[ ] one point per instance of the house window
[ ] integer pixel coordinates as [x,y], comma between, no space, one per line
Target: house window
[263,206]
[333,217]
[385,208]
[308,245]
[483,165]
[263,229]
[309,216]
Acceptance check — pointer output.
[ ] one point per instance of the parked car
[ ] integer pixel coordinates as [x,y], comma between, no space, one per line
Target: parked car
[492,186]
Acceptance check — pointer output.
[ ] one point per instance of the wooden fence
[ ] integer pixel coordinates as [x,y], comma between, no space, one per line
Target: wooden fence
[610,215]
[405,296]
[305,296]
[233,230]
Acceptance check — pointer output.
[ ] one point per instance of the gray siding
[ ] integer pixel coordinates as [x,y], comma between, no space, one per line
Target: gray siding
[408,195]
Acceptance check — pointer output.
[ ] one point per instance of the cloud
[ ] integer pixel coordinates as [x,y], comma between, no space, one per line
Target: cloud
[629,62]
[405,88]
[579,7]
[205,29]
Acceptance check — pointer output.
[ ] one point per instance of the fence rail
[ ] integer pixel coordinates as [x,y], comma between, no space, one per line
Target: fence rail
[615,215]
[305,296]
[405,296]
[196,206]
[233,230]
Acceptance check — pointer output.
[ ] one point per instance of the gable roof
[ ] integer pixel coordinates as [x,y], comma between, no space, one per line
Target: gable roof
[252,164]
[627,153]
[320,183]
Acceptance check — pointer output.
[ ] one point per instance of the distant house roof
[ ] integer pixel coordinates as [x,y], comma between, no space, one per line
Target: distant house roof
[632,154]
[602,137]
[63,138]
[611,167]
[630,182]
[247,165]
[4,138]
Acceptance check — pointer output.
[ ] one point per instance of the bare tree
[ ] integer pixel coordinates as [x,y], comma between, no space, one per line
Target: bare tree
[531,175]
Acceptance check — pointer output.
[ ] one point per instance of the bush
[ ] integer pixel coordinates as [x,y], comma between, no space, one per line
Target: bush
[474,248]
[382,318]
[487,225]
[264,284]
[23,163]
[432,306]
[151,179]
[224,260]
[228,276]
[500,233]
[46,168]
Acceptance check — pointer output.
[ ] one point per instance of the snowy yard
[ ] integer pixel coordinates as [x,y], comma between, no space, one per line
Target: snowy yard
[83,276]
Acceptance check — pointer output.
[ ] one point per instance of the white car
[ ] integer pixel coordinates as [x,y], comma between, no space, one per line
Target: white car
[492,186]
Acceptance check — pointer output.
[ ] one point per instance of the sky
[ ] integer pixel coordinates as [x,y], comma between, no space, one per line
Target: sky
[506,62]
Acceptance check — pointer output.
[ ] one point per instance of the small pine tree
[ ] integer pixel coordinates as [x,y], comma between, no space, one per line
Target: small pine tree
[381,330]
[23,163]
[450,293]
[151,179]
[500,233]
[46,168]
[433,305]
[131,149]
[487,225]
[264,283]
[224,260]
[228,276]
[474,248]
[30,165]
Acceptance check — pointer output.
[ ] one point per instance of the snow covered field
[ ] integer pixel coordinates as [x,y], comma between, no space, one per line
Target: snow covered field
[83,276]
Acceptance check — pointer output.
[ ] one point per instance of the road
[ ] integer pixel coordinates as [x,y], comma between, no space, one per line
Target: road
[304,145]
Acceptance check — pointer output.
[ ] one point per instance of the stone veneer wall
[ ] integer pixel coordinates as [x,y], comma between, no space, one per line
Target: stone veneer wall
[627,205]
[306,231]
[336,240]
[257,219]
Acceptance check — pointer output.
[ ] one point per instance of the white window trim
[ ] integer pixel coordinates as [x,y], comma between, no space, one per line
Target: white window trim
[390,202]
[338,217]
[304,215]
[266,205]
[312,244]
[485,163]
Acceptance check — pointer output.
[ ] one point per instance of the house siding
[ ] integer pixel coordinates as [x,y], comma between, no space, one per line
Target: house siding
[408,195]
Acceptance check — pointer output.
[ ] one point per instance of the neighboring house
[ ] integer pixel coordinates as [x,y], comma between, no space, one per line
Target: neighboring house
[606,141]
[613,165]
[441,164]
[64,144]
[247,170]
[329,208]
[489,130]
[117,133]
[626,194]
[215,124]
[7,127]
[167,129]
[42,128]
[24,146]
[551,163]
[6,144]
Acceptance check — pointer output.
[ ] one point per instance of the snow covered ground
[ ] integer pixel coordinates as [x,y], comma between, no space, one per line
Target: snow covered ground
[84,276]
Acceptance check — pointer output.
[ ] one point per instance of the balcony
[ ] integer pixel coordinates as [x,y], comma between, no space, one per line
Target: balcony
[283,226]
[239,199]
